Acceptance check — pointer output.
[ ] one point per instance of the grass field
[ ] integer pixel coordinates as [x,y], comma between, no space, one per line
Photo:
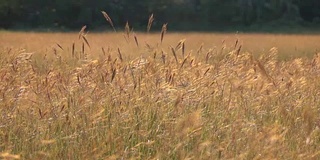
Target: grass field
[193,96]
[289,46]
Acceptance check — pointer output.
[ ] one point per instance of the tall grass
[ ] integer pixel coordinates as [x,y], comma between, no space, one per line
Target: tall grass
[163,103]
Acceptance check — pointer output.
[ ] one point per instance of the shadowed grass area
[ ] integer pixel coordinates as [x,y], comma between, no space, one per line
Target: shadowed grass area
[110,97]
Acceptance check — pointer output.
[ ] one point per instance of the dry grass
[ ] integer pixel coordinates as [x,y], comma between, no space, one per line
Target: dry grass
[289,46]
[175,100]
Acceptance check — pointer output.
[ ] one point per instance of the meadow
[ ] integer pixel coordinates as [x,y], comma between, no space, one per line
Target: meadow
[133,96]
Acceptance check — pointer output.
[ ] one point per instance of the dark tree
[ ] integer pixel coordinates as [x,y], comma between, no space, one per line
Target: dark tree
[186,14]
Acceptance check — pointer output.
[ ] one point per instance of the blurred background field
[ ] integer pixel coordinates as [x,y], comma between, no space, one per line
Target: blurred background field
[289,45]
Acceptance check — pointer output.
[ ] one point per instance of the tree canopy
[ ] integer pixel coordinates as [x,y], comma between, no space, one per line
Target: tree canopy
[182,14]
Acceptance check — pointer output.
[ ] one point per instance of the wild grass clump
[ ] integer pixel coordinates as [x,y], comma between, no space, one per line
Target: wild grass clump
[165,103]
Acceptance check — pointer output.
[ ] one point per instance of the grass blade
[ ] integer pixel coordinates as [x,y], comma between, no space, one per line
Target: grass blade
[59,46]
[120,55]
[86,41]
[136,40]
[174,54]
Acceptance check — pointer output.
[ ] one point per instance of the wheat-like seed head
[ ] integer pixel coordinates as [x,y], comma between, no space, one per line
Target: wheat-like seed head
[150,21]
[107,17]
[127,29]
[163,31]
[81,33]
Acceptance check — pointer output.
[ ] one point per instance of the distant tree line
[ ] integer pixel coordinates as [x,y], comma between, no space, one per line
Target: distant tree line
[183,14]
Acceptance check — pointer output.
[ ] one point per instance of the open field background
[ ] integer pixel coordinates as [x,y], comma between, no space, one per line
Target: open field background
[289,46]
[112,98]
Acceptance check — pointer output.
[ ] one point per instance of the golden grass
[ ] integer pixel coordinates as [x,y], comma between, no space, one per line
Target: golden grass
[289,46]
[195,98]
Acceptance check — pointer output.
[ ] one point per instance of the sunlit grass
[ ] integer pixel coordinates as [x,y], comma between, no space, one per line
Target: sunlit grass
[289,46]
[116,100]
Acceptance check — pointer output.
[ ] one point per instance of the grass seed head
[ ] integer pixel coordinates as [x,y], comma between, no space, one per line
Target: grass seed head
[106,16]
[150,21]
[163,31]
